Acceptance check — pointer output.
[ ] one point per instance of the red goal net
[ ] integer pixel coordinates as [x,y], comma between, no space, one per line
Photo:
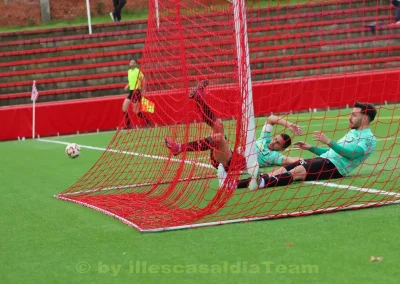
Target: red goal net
[216,72]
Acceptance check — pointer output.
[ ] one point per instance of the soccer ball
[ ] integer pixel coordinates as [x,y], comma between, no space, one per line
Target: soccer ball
[73,150]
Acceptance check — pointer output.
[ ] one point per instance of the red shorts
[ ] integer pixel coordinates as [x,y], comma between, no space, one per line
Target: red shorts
[240,161]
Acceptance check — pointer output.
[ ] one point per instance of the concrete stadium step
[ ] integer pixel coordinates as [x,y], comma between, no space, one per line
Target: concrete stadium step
[71,50]
[287,72]
[317,7]
[272,25]
[282,45]
[260,51]
[76,60]
[65,82]
[294,44]
[119,28]
[82,39]
[288,11]
[222,75]
[320,17]
[327,45]
[326,69]
[324,57]
[62,94]
[320,36]
[196,69]
[71,40]
[316,26]
[73,30]
[66,71]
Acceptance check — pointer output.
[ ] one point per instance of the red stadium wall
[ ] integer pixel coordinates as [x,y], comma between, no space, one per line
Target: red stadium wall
[293,95]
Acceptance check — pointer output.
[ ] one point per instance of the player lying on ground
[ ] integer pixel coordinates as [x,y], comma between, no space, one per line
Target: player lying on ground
[334,161]
[220,152]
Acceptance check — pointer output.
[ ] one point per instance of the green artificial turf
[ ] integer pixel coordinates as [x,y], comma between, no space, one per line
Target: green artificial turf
[45,240]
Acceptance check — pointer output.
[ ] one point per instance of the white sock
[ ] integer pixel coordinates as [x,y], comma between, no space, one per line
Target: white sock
[254,177]
[221,175]
[262,183]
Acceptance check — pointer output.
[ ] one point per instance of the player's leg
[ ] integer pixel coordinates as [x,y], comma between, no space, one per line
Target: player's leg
[220,153]
[284,176]
[193,146]
[398,14]
[122,4]
[197,95]
[118,9]
[306,170]
[297,174]
[285,168]
[279,171]
[397,8]
[253,181]
[125,107]
[136,102]
[113,13]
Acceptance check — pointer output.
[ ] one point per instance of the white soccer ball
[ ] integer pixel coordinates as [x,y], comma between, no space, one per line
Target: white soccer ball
[73,150]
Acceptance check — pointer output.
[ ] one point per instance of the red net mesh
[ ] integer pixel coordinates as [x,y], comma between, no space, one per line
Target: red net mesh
[309,62]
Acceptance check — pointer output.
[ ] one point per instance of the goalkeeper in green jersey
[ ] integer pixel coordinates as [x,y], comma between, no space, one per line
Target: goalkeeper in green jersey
[334,161]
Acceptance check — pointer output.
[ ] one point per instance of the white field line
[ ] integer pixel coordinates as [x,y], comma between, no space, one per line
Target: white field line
[130,153]
[302,213]
[350,187]
[283,215]
[334,185]
[134,185]
[389,138]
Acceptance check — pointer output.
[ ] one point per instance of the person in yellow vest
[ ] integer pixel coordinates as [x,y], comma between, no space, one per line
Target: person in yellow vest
[135,84]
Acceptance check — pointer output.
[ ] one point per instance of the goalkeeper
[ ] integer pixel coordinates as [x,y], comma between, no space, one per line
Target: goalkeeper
[267,146]
[334,161]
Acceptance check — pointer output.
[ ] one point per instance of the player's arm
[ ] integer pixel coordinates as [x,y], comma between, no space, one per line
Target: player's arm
[273,119]
[126,88]
[305,146]
[354,151]
[290,160]
[318,150]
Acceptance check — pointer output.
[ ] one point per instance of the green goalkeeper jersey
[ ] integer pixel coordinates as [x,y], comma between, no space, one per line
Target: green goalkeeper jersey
[353,139]
[265,156]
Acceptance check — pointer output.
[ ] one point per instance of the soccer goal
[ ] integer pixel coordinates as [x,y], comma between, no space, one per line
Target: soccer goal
[216,71]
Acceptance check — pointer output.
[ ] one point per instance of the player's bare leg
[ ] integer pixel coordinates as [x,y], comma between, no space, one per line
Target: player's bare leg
[136,109]
[197,95]
[174,147]
[221,152]
[279,171]
[299,173]
[125,107]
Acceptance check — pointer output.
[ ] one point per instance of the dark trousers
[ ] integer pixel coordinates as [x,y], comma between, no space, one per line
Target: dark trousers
[397,5]
[118,5]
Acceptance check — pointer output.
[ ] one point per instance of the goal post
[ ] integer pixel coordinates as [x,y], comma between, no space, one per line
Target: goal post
[307,62]
[245,85]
